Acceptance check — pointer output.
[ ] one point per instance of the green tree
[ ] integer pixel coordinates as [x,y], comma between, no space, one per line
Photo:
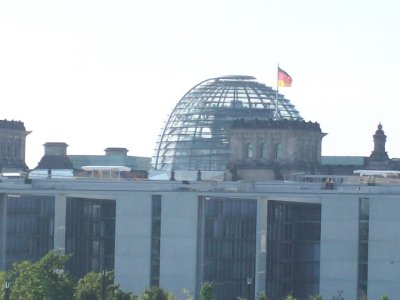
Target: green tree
[171,296]
[3,279]
[43,279]
[188,295]
[46,280]
[385,297]
[262,296]
[154,293]
[207,291]
[315,297]
[91,285]
[290,297]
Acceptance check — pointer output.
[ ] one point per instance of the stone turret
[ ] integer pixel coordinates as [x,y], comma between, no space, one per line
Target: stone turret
[12,146]
[379,159]
[55,157]
[379,153]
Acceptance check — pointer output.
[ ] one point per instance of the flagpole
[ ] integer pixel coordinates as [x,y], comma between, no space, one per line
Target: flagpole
[277,93]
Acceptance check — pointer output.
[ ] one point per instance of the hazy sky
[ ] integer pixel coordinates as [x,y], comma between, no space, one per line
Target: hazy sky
[98,74]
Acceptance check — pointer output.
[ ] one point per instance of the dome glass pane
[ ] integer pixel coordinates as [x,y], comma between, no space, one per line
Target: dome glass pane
[196,134]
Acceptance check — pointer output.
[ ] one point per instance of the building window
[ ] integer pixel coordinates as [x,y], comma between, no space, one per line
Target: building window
[155,240]
[363,232]
[227,239]
[263,150]
[249,150]
[28,227]
[277,151]
[90,235]
[308,152]
[293,249]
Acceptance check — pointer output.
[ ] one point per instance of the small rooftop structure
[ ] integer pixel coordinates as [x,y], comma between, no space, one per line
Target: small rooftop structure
[379,173]
[106,171]
[55,157]
[114,156]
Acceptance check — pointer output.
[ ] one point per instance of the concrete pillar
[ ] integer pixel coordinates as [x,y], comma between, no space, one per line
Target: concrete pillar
[60,213]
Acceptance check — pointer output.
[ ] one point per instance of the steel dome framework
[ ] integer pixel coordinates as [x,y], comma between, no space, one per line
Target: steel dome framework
[196,134]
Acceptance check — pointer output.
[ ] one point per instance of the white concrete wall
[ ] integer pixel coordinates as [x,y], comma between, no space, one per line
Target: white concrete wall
[132,241]
[339,246]
[178,242]
[384,247]
[60,214]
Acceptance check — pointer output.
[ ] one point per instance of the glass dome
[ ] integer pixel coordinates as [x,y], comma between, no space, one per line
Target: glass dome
[196,134]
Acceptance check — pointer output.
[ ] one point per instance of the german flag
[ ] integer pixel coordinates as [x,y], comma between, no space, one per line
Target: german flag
[284,78]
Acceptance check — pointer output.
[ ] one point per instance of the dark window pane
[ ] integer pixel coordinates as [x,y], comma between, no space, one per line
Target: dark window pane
[90,235]
[293,249]
[155,240]
[229,238]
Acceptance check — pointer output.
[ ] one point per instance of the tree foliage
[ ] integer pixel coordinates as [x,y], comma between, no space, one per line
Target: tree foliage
[3,279]
[154,293]
[290,297]
[91,286]
[188,295]
[262,296]
[46,280]
[207,291]
[43,279]
[315,297]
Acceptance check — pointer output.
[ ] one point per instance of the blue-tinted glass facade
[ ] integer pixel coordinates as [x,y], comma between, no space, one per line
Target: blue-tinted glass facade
[28,227]
[227,240]
[90,235]
[293,249]
[363,233]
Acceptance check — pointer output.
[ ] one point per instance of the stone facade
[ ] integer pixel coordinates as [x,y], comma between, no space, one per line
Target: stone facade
[273,148]
[268,150]
[12,146]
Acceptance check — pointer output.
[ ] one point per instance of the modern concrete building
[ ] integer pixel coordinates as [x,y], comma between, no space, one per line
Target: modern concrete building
[273,236]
